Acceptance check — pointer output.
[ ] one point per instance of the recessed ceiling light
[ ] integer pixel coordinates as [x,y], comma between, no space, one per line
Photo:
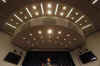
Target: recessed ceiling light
[59,32]
[30,34]
[70,12]
[49,5]
[72,18]
[64,39]
[80,24]
[76,13]
[80,19]
[20,12]
[62,13]
[68,35]
[25,17]
[39,32]
[64,7]
[49,12]
[49,31]
[36,13]
[34,7]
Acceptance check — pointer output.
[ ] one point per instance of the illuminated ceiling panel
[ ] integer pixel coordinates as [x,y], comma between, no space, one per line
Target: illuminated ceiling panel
[23,20]
[50,9]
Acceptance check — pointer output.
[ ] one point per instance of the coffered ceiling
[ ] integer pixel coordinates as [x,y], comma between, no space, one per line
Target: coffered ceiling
[69,24]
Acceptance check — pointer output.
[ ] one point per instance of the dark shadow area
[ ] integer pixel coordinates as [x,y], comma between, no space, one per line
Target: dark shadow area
[40,59]
[12,58]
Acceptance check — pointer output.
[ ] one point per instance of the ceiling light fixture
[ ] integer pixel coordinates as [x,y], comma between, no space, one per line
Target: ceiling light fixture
[18,18]
[64,7]
[80,24]
[20,12]
[61,14]
[72,18]
[25,17]
[34,7]
[49,5]
[29,12]
[87,26]
[69,13]
[42,9]
[76,13]
[36,13]
[30,34]
[59,32]
[39,32]
[49,12]
[50,31]
[11,25]
[68,35]
[57,6]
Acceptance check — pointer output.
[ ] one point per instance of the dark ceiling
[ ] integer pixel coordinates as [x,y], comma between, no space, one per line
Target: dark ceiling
[93,11]
[48,37]
[84,8]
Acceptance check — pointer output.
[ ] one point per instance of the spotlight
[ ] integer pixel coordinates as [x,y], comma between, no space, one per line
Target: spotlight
[61,14]
[49,31]
[64,7]
[30,34]
[36,13]
[76,13]
[49,12]
[20,12]
[59,32]
[39,32]
[49,5]
[34,7]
